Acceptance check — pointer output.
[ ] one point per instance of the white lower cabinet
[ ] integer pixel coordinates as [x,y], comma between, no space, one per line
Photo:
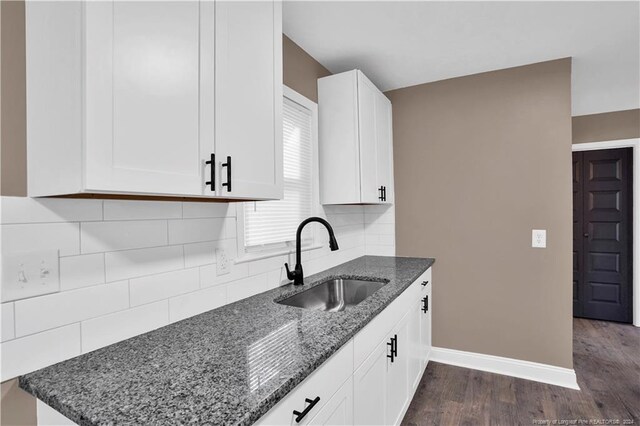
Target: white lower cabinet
[398,395]
[370,382]
[388,357]
[416,352]
[339,409]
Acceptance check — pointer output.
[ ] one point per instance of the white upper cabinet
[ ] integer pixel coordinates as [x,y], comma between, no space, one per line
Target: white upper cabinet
[355,134]
[139,97]
[249,97]
[142,97]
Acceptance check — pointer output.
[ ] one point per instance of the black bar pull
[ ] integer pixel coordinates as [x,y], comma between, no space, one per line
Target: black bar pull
[395,345]
[424,283]
[384,193]
[425,304]
[228,166]
[212,181]
[381,192]
[300,415]
[393,354]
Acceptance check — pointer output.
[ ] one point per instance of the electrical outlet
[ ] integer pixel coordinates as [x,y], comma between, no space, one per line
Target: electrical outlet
[29,274]
[223,264]
[539,238]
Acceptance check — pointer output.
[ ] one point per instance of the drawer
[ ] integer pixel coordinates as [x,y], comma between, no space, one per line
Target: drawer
[339,410]
[322,383]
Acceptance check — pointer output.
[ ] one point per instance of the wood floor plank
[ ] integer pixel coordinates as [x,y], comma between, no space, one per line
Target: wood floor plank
[607,365]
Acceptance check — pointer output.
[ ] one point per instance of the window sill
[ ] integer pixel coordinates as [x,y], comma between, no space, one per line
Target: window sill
[249,257]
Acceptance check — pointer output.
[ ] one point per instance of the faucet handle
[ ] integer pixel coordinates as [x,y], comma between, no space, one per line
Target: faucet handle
[290,275]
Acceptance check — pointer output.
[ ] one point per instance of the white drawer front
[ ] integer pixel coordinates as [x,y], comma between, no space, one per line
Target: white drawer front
[322,383]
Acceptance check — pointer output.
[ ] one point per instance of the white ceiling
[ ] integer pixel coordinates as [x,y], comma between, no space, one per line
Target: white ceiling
[400,44]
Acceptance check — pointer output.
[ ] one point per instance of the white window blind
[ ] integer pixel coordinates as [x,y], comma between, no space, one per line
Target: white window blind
[271,222]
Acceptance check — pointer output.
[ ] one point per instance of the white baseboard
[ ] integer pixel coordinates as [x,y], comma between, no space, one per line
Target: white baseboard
[565,377]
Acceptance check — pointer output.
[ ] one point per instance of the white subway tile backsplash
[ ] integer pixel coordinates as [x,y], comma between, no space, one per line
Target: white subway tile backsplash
[338,209]
[195,303]
[81,271]
[157,287]
[137,210]
[269,264]
[386,217]
[198,254]
[33,210]
[54,310]
[237,290]
[381,250]
[277,278]
[112,328]
[381,229]
[125,264]
[110,236]
[209,277]
[21,356]
[40,237]
[195,230]
[158,260]
[6,316]
[203,210]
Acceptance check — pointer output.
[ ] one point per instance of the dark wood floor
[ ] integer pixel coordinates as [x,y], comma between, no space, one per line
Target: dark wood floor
[606,358]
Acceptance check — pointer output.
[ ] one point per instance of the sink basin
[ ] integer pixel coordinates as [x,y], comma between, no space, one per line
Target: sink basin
[334,295]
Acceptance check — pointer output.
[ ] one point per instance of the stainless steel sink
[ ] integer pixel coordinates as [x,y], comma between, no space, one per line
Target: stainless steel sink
[334,295]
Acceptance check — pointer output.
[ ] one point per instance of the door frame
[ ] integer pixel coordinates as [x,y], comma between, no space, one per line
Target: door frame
[635,144]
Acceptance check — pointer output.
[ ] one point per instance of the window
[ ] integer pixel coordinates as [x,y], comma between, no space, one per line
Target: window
[270,226]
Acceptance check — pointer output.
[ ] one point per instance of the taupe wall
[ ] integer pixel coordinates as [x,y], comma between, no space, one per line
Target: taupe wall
[301,71]
[607,126]
[16,406]
[13,179]
[480,161]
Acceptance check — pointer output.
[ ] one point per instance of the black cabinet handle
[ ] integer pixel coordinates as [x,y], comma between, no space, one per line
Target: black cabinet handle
[424,283]
[212,180]
[228,166]
[300,415]
[425,304]
[395,345]
[392,352]
[381,191]
[384,193]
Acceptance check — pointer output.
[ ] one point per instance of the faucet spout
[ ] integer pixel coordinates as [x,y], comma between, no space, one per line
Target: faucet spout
[297,275]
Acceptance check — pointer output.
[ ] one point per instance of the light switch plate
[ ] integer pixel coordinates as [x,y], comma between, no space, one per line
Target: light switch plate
[539,238]
[29,274]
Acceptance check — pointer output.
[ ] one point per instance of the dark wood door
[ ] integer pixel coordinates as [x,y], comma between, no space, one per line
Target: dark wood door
[602,237]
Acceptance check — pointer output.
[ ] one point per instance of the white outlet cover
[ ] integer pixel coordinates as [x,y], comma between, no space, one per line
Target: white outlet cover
[223,263]
[539,238]
[29,274]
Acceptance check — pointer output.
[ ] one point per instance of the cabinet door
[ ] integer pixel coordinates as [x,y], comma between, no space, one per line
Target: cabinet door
[339,410]
[425,326]
[416,353]
[397,374]
[367,94]
[370,383]
[142,100]
[248,77]
[384,146]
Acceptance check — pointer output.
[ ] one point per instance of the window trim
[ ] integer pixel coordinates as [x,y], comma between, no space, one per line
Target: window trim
[246,254]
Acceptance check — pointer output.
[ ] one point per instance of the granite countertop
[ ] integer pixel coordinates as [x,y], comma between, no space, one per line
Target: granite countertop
[229,365]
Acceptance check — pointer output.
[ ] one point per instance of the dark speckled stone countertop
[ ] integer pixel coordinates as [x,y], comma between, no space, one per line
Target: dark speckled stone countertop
[229,365]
